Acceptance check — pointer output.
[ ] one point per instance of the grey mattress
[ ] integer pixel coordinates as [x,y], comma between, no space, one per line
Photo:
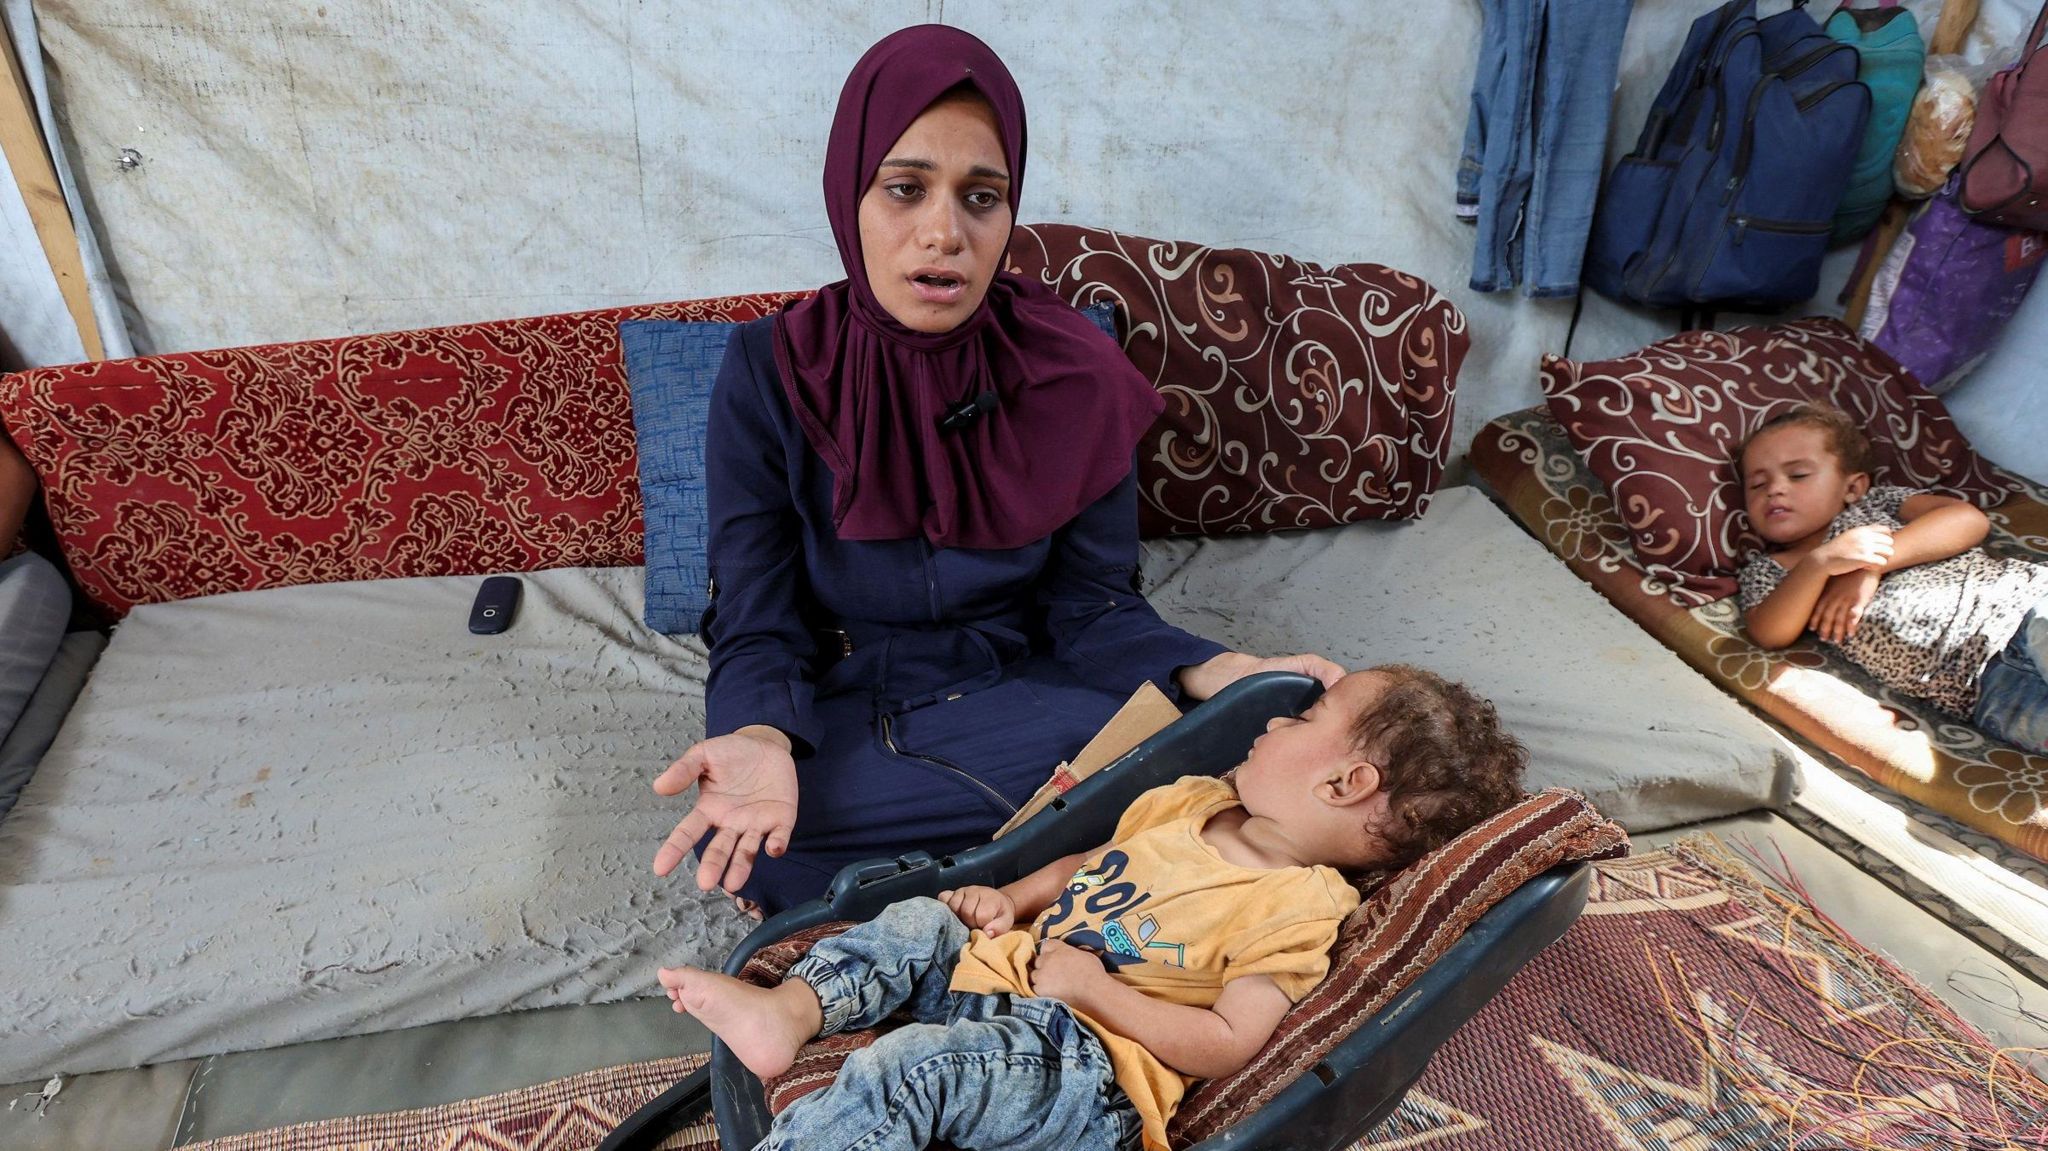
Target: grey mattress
[296,814]
[1463,591]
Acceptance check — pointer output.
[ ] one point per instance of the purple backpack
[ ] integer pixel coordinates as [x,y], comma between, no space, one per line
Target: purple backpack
[1947,289]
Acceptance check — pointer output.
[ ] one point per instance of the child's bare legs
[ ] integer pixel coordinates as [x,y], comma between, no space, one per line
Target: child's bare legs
[764,1026]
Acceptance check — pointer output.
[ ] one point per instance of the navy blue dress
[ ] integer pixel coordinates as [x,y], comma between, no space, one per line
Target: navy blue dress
[928,691]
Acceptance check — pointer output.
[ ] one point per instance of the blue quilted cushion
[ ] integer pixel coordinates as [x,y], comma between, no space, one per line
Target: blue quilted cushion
[671,366]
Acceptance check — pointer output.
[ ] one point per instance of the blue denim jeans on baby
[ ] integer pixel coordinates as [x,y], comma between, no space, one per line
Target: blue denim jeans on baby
[974,1070]
[1536,140]
[2012,690]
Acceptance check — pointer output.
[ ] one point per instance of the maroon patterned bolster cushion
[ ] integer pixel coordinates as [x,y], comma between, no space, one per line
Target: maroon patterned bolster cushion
[1404,925]
[1660,427]
[1297,396]
[505,446]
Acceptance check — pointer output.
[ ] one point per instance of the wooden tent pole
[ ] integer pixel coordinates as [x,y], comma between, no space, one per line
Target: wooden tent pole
[1890,226]
[22,139]
[1951,28]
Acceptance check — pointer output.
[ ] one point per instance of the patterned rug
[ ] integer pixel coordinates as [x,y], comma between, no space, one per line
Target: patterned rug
[1691,1007]
[571,1114]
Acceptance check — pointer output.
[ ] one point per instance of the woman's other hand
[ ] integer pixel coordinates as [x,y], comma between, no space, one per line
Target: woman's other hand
[746,792]
[985,908]
[1202,680]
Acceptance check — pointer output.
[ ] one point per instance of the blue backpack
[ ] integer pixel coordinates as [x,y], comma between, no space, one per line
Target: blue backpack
[1729,195]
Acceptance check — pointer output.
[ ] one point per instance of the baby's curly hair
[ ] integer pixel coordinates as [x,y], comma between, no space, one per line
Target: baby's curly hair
[1847,441]
[1445,761]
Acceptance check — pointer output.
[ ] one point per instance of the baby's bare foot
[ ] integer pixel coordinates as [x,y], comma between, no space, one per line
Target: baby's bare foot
[763,1026]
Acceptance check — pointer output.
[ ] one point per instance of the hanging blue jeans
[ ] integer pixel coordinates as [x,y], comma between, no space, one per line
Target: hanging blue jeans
[1537,138]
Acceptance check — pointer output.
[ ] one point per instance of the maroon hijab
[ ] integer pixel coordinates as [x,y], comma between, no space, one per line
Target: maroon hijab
[869,392]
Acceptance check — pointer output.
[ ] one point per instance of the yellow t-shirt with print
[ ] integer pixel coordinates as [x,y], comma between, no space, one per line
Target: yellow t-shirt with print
[1176,921]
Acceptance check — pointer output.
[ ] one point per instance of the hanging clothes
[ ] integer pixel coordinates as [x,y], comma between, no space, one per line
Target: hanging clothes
[1536,140]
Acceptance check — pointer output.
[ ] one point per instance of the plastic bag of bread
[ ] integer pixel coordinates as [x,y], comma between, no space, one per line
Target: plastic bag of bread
[1937,128]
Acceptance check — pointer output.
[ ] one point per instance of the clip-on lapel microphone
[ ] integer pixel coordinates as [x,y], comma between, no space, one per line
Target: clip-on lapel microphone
[963,414]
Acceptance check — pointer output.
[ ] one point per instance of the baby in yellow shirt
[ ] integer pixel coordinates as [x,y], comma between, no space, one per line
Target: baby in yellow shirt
[1167,955]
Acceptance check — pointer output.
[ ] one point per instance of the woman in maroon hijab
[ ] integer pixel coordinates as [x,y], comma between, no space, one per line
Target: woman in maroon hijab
[923,536]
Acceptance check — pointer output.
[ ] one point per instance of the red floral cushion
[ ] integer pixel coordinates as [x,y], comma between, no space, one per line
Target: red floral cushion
[505,446]
[1297,396]
[1659,427]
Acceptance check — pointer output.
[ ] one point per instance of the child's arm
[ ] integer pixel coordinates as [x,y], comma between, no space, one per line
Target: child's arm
[997,909]
[1839,611]
[1036,891]
[1205,1042]
[1784,614]
[1936,527]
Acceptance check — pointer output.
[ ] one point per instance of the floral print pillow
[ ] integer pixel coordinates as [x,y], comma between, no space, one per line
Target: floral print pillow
[1297,395]
[1660,426]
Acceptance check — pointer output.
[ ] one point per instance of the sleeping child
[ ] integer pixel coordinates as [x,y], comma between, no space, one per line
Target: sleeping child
[1891,577]
[1072,1008]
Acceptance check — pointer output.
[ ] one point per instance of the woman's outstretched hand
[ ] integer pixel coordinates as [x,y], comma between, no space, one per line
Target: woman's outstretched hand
[1202,680]
[746,791]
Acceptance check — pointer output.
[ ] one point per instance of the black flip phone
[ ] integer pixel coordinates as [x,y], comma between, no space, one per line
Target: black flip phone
[496,603]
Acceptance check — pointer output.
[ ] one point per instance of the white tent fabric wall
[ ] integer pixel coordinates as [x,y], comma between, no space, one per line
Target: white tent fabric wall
[35,324]
[309,170]
[2002,405]
[35,328]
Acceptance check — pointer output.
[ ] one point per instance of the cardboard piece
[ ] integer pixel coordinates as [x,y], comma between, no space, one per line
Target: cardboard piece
[1144,715]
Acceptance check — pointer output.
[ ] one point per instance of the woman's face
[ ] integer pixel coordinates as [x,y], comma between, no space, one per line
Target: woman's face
[935,221]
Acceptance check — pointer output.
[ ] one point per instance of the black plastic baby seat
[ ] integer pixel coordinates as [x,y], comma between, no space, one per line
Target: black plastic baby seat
[1348,1083]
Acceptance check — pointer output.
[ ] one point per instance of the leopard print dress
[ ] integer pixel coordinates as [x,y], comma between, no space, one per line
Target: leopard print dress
[1930,629]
